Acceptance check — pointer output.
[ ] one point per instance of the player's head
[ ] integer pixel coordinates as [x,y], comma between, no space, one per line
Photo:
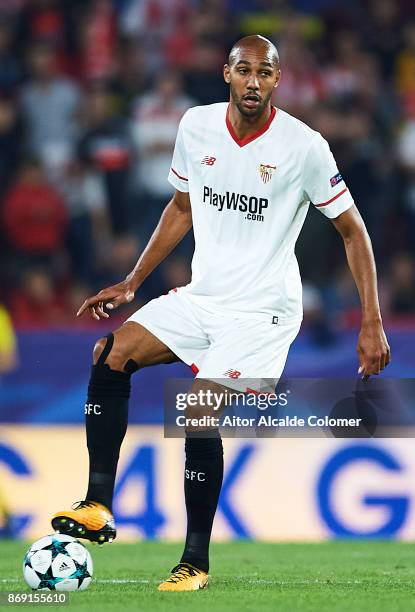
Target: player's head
[252,71]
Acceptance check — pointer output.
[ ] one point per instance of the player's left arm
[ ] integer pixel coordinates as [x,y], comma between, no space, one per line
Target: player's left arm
[372,347]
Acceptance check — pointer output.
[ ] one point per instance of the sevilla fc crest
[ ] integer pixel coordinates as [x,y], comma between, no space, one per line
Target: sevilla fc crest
[267,172]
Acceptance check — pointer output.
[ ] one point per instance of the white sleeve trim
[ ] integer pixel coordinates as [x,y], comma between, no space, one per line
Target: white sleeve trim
[178,181]
[338,204]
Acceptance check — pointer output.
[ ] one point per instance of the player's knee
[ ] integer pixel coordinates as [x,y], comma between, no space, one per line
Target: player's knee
[116,354]
[98,349]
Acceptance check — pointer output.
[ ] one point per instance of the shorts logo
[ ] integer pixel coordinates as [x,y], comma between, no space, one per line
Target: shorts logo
[232,373]
[267,172]
[208,161]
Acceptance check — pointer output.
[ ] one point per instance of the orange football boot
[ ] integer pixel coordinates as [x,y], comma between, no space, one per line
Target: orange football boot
[87,519]
[185,577]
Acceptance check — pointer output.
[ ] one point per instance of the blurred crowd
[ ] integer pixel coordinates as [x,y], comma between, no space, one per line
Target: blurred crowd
[91,94]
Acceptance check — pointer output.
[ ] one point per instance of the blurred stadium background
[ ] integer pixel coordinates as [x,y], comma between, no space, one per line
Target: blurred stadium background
[91,93]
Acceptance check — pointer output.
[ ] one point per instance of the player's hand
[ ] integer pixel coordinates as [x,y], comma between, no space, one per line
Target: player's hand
[108,298]
[373,350]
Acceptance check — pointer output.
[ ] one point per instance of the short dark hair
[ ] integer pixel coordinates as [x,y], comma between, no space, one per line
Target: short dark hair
[255,40]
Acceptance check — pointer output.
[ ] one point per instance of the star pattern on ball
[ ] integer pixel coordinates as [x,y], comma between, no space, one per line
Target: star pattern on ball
[48,578]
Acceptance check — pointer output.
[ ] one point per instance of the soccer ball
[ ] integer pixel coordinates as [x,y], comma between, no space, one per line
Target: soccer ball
[58,562]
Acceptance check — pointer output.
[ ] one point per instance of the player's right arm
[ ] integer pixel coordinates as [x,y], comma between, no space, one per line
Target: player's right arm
[326,188]
[174,224]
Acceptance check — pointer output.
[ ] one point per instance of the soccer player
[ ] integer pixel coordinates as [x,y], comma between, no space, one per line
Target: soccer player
[245,173]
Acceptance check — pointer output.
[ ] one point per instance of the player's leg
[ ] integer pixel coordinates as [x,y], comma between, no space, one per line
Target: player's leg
[202,484]
[115,359]
[244,355]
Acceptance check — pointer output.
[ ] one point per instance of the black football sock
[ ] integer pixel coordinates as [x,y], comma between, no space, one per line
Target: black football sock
[106,416]
[202,484]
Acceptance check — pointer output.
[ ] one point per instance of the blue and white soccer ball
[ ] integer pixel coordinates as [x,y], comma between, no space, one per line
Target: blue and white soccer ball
[58,562]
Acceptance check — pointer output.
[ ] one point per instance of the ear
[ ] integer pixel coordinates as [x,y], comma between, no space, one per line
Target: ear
[278,78]
[227,73]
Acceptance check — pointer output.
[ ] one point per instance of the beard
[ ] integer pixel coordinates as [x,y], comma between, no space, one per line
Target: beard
[247,112]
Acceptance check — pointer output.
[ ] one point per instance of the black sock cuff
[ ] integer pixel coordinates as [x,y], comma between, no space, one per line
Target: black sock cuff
[203,448]
[204,433]
[105,382]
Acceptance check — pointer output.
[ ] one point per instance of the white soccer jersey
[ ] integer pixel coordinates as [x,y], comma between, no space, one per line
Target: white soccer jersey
[249,201]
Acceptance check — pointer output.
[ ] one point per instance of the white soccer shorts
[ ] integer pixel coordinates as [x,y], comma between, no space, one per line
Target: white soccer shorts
[218,345]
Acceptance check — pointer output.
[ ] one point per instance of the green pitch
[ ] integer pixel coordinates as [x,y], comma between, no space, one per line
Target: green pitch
[245,576]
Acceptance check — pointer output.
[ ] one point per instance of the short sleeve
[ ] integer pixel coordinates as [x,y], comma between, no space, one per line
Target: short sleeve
[178,175]
[322,182]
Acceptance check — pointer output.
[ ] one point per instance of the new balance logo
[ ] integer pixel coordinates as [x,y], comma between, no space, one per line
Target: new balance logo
[232,373]
[208,161]
[63,566]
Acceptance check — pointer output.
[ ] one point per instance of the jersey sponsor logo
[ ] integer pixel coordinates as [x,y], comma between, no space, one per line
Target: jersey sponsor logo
[230,200]
[336,179]
[267,172]
[208,161]
[232,373]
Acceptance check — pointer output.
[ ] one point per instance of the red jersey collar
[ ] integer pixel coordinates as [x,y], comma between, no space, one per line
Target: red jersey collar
[244,141]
